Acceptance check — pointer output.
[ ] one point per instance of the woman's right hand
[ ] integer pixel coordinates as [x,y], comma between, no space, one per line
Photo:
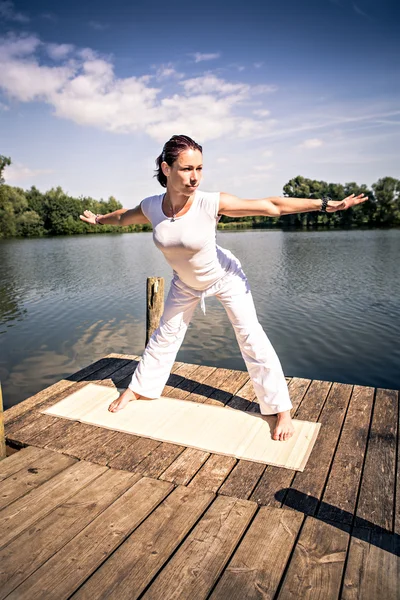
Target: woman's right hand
[88,217]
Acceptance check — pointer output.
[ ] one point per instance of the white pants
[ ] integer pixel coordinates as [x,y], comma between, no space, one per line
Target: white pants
[260,357]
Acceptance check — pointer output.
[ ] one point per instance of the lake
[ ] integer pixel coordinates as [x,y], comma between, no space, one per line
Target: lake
[329,302]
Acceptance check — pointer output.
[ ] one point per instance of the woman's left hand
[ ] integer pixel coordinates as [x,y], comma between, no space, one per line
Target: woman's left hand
[335,205]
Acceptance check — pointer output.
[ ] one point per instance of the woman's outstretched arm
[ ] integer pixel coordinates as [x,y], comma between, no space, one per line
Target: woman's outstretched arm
[122,217]
[232,206]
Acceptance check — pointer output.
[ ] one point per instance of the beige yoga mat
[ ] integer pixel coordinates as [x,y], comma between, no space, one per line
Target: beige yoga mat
[220,430]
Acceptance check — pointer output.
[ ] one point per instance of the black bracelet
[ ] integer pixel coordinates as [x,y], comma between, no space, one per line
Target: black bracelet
[324,204]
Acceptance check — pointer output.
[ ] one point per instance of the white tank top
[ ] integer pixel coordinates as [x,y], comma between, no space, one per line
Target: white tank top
[189,242]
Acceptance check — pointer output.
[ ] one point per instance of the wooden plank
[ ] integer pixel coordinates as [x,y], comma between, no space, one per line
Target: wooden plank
[106,365]
[39,429]
[191,380]
[185,384]
[257,566]
[32,476]
[60,576]
[213,473]
[205,389]
[340,496]
[376,501]
[204,376]
[35,427]
[307,487]
[165,454]
[316,567]
[19,460]
[197,564]
[134,564]
[121,442]
[230,386]
[133,454]
[39,502]
[373,566]
[91,449]
[34,546]
[243,479]
[274,482]
[159,459]
[186,465]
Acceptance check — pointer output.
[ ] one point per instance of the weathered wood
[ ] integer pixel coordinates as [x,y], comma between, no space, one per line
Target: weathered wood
[134,564]
[199,378]
[373,566]
[213,473]
[192,376]
[376,501]
[154,304]
[133,454]
[20,460]
[34,546]
[257,566]
[159,459]
[316,567]
[185,466]
[242,479]
[197,564]
[307,487]
[40,470]
[2,435]
[340,496]
[270,490]
[102,368]
[25,511]
[60,576]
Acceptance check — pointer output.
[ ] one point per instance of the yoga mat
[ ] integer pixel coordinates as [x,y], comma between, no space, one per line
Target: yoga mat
[215,429]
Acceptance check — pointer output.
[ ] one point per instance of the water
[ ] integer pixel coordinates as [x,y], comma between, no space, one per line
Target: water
[329,302]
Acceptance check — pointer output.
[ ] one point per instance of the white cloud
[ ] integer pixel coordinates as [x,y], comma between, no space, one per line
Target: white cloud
[17,172]
[258,65]
[261,112]
[98,26]
[84,88]
[210,84]
[199,57]
[267,153]
[4,107]
[8,13]
[59,51]
[311,143]
[168,71]
[263,168]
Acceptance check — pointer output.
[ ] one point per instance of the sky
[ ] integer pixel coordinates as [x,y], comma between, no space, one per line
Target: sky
[90,91]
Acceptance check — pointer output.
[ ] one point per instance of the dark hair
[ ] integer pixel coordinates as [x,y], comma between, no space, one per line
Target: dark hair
[171,151]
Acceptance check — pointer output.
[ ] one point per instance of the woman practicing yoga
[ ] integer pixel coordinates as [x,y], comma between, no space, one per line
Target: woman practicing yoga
[184,223]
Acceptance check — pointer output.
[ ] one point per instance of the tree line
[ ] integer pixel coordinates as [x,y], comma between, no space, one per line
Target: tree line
[31,213]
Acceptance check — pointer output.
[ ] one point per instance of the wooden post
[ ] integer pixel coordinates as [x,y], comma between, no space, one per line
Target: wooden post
[154,304]
[2,436]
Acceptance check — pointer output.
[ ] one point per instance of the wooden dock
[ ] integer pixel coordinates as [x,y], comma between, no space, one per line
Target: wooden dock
[89,513]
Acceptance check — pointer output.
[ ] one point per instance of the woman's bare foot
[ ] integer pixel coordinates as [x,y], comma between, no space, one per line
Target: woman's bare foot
[284,427]
[123,400]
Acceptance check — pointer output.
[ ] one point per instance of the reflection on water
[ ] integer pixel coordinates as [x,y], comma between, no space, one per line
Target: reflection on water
[329,301]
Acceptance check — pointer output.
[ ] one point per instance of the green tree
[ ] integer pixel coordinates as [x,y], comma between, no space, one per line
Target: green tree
[5,161]
[387,198]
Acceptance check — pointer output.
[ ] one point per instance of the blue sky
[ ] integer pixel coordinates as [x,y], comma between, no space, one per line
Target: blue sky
[89,92]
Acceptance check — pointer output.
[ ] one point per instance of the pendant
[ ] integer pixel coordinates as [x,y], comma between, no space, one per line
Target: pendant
[172,219]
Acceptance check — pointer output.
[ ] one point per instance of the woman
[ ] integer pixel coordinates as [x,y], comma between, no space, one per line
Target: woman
[184,223]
